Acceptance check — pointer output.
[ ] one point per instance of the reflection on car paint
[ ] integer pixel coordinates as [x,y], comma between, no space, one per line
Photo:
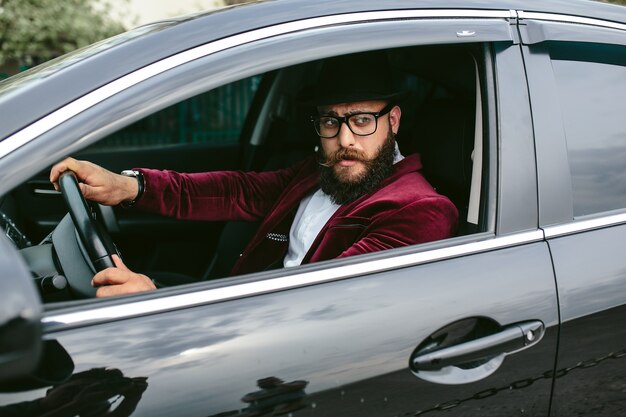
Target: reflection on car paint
[97,391]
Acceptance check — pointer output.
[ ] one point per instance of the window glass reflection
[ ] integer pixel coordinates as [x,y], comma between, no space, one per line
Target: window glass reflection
[592,100]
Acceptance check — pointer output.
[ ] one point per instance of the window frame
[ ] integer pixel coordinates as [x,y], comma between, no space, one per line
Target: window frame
[556,200]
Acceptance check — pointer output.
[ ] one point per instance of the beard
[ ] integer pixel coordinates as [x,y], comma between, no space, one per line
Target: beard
[340,187]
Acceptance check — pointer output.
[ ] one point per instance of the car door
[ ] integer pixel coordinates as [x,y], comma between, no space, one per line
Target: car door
[577,77]
[467,325]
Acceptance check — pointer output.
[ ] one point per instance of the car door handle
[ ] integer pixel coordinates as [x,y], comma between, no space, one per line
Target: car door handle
[509,340]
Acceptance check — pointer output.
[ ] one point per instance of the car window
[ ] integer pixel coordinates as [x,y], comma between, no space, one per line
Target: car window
[591,82]
[261,124]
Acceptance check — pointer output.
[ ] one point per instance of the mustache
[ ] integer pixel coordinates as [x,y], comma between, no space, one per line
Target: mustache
[344,153]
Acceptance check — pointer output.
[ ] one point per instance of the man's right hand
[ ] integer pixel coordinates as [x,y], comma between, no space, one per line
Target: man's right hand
[120,280]
[96,183]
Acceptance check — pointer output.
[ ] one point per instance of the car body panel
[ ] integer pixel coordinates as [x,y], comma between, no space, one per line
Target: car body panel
[350,340]
[591,276]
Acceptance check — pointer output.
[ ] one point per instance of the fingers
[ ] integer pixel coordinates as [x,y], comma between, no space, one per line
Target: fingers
[120,281]
[118,263]
[96,183]
[86,190]
[92,193]
[82,169]
[58,169]
[110,276]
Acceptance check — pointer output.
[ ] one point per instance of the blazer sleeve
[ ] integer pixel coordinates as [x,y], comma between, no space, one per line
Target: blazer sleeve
[214,196]
[425,220]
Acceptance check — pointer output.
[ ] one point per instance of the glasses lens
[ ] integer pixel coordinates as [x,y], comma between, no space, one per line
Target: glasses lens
[327,127]
[362,124]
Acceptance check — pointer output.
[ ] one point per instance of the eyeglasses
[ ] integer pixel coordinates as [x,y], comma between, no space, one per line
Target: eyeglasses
[361,124]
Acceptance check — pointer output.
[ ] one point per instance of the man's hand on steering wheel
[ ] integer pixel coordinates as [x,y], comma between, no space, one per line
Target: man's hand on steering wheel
[105,187]
[96,183]
[120,280]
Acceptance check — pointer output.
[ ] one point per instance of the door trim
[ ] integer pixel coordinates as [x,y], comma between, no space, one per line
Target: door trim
[89,100]
[571,19]
[584,225]
[57,321]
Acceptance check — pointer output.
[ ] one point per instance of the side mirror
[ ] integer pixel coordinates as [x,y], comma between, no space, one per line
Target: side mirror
[20,315]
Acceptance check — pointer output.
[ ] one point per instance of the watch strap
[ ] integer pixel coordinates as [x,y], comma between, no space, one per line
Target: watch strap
[141,186]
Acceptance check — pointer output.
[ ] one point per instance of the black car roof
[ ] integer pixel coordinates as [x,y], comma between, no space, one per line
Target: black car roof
[97,65]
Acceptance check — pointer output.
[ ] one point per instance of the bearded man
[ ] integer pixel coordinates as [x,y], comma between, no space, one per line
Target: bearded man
[358,195]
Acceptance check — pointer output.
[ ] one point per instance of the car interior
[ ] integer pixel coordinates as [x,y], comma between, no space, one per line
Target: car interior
[260,123]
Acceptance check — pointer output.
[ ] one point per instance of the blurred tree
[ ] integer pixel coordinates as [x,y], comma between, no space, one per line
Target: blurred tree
[33,31]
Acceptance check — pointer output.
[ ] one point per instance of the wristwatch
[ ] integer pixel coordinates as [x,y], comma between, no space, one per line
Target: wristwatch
[140,186]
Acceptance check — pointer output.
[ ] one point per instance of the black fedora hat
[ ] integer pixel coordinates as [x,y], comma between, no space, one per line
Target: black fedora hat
[350,78]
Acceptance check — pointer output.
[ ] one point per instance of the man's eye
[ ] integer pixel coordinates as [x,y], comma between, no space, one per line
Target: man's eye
[328,122]
[362,119]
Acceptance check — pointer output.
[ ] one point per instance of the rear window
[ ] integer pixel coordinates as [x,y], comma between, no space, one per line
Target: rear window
[591,81]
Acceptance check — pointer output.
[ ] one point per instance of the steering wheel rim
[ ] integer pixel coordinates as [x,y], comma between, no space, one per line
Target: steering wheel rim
[94,237]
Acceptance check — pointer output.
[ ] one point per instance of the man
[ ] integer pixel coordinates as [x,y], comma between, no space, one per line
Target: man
[358,196]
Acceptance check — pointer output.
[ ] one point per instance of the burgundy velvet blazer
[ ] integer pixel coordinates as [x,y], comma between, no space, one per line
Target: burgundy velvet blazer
[405,210]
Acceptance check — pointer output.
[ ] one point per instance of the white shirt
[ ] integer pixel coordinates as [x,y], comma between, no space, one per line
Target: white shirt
[313,213]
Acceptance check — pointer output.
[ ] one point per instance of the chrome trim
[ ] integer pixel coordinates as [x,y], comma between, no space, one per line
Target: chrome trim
[72,109]
[57,321]
[571,19]
[584,225]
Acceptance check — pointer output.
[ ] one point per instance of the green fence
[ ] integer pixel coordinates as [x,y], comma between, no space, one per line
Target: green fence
[215,117]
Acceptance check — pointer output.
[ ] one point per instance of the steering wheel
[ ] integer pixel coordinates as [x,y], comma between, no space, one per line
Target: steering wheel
[94,245]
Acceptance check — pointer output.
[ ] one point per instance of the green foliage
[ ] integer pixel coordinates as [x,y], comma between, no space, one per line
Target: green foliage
[34,31]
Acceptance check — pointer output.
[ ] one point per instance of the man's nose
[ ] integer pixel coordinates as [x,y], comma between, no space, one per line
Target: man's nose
[345,135]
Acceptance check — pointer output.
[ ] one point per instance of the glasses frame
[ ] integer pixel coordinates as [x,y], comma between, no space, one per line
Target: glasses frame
[346,117]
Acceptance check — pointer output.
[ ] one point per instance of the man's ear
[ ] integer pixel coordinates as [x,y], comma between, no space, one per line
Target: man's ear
[394,119]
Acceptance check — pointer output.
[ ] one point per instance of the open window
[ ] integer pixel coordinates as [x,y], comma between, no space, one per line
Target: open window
[258,123]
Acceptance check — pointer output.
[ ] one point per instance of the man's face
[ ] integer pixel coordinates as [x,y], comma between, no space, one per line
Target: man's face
[353,165]
[348,153]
